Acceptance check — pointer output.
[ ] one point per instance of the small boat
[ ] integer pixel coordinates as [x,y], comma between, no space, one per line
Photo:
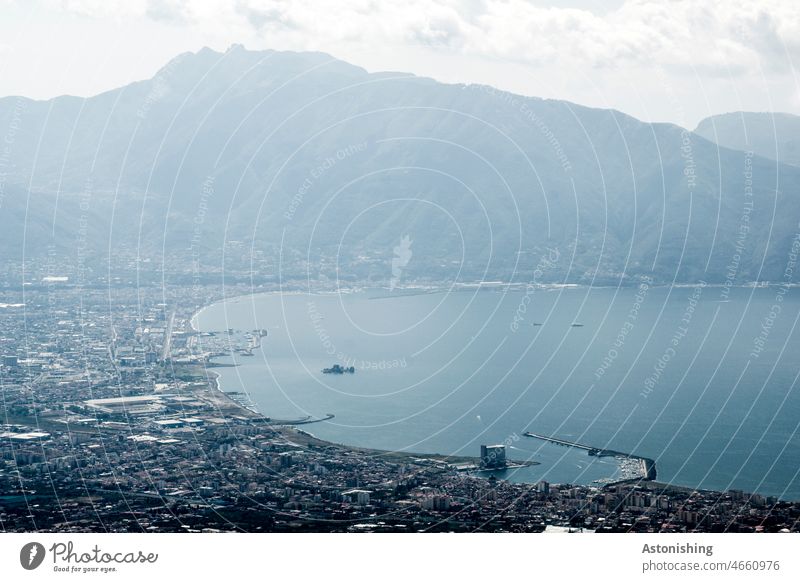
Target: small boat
[576,324]
[337,369]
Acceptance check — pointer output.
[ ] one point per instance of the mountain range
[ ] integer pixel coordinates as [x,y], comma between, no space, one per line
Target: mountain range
[775,136]
[301,165]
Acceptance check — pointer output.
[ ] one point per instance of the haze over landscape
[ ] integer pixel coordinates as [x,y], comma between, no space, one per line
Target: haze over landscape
[449,266]
[305,157]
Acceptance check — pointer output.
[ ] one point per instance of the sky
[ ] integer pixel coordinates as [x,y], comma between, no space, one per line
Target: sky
[669,60]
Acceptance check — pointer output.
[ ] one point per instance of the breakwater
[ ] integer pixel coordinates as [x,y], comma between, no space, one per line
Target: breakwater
[646,467]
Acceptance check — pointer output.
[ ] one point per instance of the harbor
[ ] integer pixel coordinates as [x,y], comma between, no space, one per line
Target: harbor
[631,467]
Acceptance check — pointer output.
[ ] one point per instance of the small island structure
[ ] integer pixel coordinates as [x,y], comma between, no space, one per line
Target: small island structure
[337,369]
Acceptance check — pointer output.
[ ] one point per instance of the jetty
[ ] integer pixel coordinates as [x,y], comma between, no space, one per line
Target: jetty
[299,421]
[647,467]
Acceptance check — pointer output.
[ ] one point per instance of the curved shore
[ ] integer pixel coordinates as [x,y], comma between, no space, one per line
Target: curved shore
[266,307]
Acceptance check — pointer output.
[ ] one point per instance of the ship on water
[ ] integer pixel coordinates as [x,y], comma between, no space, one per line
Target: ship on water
[337,369]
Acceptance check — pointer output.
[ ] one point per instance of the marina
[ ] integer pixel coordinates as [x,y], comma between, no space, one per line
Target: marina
[631,467]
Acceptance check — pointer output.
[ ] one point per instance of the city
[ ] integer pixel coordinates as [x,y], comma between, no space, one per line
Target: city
[112,421]
[291,268]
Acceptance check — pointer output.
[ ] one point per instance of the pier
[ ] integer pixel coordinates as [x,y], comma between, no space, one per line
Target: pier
[647,467]
[558,441]
[303,420]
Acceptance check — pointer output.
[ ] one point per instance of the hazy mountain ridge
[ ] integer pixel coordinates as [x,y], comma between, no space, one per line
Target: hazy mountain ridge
[339,164]
[775,136]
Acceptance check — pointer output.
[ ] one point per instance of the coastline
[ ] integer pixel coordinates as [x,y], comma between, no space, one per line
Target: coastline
[472,287]
[301,436]
[304,438]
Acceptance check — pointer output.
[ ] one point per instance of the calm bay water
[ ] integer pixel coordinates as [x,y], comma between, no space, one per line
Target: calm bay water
[704,383]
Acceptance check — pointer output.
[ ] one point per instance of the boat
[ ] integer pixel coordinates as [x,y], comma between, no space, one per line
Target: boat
[337,369]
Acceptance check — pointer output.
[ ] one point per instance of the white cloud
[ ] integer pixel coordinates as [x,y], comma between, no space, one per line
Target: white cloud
[707,34]
[711,55]
[723,35]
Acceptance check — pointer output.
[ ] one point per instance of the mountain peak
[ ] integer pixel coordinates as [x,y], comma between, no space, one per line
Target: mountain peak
[306,153]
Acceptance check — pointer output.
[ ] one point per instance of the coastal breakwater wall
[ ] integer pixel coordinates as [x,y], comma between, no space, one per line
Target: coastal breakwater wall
[647,467]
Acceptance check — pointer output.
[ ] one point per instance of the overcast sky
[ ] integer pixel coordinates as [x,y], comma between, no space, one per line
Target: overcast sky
[660,61]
